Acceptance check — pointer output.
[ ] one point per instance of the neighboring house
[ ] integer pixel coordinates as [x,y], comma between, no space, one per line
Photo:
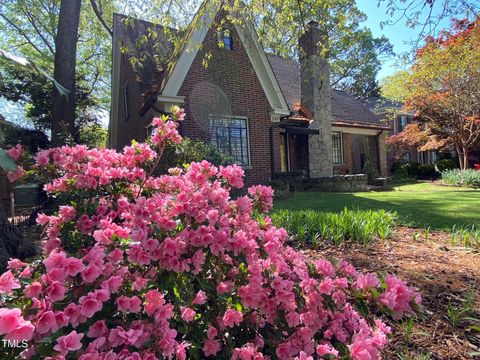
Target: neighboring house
[393,112]
[270,114]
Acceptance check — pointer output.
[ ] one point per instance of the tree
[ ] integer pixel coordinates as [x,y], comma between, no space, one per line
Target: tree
[355,55]
[393,87]
[35,93]
[63,112]
[444,90]
[36,29]
[428,15]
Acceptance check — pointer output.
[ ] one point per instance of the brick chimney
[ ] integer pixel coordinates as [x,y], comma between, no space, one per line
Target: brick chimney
[315,92]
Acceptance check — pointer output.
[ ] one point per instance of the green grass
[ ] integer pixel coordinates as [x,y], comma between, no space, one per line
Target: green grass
[419,205]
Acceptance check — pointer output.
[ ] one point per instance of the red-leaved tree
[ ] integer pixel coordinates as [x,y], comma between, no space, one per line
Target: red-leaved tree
[443,89]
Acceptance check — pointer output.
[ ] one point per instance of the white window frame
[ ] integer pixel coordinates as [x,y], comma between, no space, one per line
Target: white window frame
[245,118]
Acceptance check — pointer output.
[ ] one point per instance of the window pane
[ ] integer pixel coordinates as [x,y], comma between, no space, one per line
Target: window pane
[230,137]
[337,156]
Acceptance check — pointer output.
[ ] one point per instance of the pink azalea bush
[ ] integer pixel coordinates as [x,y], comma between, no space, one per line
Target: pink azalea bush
[139,266]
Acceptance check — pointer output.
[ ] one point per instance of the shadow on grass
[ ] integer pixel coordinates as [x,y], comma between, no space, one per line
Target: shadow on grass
[441,210]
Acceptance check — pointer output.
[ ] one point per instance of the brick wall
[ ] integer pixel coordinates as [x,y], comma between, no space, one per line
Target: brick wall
[346,167]
[229,86]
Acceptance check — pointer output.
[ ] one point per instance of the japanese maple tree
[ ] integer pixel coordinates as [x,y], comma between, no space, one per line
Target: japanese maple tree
[444,91]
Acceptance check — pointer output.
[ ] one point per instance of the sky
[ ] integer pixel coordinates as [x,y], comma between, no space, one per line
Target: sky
[400,36]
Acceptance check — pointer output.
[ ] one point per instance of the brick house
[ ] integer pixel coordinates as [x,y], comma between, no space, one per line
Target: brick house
[270,114]
[392,112]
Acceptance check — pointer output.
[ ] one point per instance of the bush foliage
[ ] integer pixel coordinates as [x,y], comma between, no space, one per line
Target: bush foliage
[143,267]
[308,227]
[466,178]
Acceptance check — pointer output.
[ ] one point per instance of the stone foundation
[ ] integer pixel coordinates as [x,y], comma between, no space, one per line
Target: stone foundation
[336,183]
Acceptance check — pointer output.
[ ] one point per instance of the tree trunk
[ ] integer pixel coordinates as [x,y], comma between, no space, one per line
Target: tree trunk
[64,72]
[458,149]
[466,151]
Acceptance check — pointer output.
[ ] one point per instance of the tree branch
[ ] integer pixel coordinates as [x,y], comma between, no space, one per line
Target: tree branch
[37,30]
[22,33]
[99,15]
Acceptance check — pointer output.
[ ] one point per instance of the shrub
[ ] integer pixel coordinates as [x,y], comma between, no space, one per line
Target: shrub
[188,151]
[466,178]
[280,188]
[143,267]
[427,172]
[444,165]
[308,226]
[412,168]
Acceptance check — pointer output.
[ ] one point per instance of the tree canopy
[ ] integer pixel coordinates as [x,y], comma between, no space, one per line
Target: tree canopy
[444,90]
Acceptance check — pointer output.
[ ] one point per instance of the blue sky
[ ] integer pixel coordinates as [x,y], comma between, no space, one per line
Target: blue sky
[400,36]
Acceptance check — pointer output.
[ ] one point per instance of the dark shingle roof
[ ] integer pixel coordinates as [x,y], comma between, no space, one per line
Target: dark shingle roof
[148,42]
[345,107]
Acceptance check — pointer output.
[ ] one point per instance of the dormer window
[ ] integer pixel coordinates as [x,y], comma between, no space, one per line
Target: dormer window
[225,39]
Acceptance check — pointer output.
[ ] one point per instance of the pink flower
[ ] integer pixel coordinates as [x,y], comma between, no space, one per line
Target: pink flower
[89,305]
[224,287]
[324,349]
[363,350]
[8,283]
[15,264]
[73,266]
[23,331]
[33,290]
[211,347]
[16,152]
[211,332]
[187,313]
[91,273]
[16,174]
[97,329]
[46,321]
[232,318]
[70,342]
[367,281]
[9,319]
[56,291]
[233,174]
[200,298]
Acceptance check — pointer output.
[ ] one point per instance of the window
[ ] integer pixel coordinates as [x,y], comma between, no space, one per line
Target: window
[403,121]
[230,135]
[225,39]
[149,130]
[337,147]
[125,102]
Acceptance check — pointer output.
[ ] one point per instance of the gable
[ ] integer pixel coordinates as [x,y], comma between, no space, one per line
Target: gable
[202,23]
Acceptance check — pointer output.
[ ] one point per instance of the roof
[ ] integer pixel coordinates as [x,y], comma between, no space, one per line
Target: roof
[346,109]
[377,104]
[158,51]
[154,53]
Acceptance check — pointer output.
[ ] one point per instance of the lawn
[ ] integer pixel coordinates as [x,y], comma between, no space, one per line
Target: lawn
[419,205]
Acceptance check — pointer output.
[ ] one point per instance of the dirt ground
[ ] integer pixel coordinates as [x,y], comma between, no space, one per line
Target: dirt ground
[444,274]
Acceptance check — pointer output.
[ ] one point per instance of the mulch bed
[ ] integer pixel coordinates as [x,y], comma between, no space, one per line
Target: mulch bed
[441,272]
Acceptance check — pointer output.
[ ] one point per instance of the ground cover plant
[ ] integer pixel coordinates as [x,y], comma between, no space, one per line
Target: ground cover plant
[420,205]
[309,227]
[467,178]
[137,266]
